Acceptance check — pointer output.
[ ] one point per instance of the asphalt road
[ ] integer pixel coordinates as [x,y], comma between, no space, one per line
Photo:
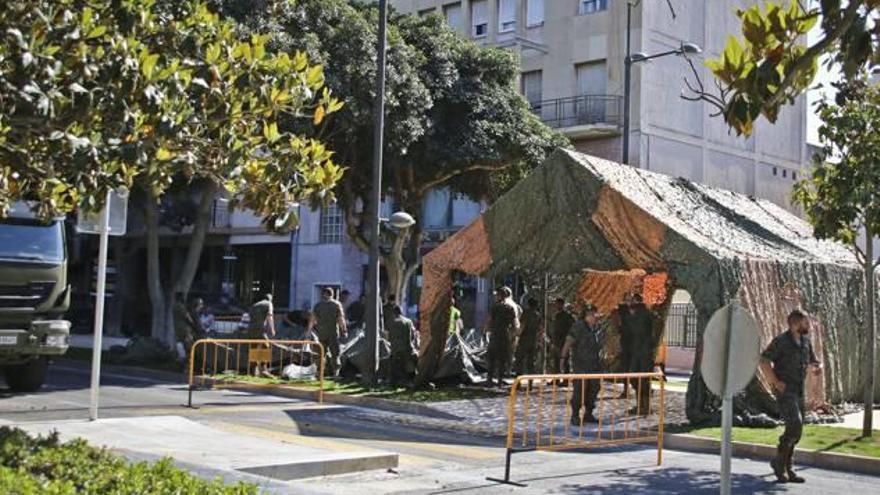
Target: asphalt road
[431,461]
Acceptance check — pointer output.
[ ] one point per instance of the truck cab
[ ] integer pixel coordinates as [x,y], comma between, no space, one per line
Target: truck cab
[34,295]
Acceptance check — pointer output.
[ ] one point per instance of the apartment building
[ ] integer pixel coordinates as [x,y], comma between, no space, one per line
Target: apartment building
[572,64]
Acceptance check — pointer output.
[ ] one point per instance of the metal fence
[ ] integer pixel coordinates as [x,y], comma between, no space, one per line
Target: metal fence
[681,326]
[583,411]
[580,110]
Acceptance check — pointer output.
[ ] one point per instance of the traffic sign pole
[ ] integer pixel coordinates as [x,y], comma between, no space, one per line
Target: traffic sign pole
[99,309]
[727,407]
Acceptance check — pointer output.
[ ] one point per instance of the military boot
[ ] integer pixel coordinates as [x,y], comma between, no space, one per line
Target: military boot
[792,476]
[778,464]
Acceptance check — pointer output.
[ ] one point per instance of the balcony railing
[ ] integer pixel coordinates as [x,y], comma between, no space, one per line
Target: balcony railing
[581,110]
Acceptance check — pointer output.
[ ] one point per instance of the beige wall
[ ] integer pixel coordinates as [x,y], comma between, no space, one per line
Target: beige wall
[668,134]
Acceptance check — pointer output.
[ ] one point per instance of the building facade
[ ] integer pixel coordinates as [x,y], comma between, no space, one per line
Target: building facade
[571,54]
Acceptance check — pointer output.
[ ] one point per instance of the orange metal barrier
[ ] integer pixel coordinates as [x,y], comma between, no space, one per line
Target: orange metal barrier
[540,412]
[221,357]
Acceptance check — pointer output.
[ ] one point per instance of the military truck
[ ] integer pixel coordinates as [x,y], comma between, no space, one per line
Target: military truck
[34,296]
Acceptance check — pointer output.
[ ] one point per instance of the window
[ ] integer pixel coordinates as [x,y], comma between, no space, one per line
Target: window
[774,171]
[506,15]
[534,13]
[480,18]
[590,6]
[331,225]
[530,85]
[452,13]
[794,176]
[784,173]
[592,78]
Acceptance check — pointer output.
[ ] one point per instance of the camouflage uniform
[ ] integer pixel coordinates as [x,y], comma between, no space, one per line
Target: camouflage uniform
[528,342]
[327,314]
[562,324]
[586,358]
[503,321]
[400,334]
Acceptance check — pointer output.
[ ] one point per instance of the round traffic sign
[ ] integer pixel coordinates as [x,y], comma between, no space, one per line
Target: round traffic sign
[731,349]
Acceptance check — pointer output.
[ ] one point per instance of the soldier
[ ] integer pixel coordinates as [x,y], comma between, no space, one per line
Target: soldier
[356,311]
[526,347]
[330,325]
[584,342]
[562,322]
[187,326]
[784,364]
[261,318]
[637,321]
[400,334]
[503,322]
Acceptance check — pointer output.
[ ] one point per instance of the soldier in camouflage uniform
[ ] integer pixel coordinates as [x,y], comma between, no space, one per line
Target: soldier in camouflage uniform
[527,345]
[784,364]
[584,344]
[400,333]
[562,323]
[503,323]
[329,323]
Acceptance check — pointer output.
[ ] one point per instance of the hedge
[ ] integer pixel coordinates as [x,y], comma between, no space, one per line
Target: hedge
[44,465]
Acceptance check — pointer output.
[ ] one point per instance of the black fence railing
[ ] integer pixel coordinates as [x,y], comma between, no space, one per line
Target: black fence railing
[581,110]
[681,326]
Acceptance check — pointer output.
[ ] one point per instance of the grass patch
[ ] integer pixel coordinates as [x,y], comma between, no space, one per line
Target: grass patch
[43,465]
[381,392]
[816,437]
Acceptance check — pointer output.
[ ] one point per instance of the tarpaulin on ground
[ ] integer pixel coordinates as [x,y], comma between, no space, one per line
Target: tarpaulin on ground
[458,362]
[577,212]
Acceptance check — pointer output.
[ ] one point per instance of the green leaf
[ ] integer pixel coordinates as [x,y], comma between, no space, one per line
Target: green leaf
[148,64]
[96,32]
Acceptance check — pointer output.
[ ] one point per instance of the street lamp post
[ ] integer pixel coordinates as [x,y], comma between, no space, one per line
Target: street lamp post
[633,58]
[371,376]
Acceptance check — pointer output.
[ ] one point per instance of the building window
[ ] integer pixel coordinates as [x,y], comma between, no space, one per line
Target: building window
[794,176]
[331,225]
[590,6]
[530,85]
[534,13]
[592,78]
[784,173]
[480,18]
[452,13]
[506,15]
[775,171]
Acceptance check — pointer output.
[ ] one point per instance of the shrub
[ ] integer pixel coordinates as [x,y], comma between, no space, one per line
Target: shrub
[43,465]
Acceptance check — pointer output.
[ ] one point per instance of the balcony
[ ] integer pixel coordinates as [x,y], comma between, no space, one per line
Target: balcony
[583,116]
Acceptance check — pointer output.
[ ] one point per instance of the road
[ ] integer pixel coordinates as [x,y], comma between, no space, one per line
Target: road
[431,461]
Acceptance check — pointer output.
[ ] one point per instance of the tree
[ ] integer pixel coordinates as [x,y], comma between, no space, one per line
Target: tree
[842,199]
[146,93]
[770,64]
[455,118]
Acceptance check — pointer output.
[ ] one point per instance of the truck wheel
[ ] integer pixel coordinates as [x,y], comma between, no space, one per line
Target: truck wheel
[27,377]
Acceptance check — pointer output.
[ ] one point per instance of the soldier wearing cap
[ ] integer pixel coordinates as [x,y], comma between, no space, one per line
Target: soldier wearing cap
[584,344]
[400,333]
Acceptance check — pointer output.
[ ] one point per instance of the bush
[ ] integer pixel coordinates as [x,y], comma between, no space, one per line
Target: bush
[43,465]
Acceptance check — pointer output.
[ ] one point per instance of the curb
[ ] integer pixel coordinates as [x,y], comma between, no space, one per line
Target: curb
[340,399]
[813,458]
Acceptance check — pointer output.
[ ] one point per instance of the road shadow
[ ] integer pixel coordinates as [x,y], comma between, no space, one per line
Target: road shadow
[670,480]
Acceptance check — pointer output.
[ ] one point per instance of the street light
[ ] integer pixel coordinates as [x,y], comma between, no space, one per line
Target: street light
[632,58]
[371,376]
[400,220]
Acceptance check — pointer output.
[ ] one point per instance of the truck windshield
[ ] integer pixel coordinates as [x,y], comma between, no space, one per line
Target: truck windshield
[29,240]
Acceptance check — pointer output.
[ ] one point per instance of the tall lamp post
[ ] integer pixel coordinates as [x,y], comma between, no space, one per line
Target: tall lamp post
[633,58]
[399,220]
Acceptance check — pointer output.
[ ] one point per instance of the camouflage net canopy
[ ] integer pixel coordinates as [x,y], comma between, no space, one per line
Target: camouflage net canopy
[578,212]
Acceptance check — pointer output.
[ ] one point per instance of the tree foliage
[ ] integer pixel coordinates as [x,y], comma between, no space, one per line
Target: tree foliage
[842,197]
[771,64]
[101,93]
[454,116]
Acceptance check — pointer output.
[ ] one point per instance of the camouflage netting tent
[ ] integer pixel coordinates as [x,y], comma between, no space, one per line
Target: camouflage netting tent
[577,212]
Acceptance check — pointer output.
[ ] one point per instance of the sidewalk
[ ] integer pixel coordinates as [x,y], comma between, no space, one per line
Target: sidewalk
[194,444]
[854,420]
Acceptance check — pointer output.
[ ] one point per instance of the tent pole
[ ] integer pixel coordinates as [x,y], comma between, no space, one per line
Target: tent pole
[546,322]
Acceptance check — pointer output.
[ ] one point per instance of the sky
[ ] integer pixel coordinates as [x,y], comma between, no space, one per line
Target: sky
[823,79]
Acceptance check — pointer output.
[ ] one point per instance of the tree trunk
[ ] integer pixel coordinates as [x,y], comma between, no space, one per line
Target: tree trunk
[871,298]
[158,325]
[197,241]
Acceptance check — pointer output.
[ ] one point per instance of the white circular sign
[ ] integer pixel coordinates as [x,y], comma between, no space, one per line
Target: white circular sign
[744,349]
